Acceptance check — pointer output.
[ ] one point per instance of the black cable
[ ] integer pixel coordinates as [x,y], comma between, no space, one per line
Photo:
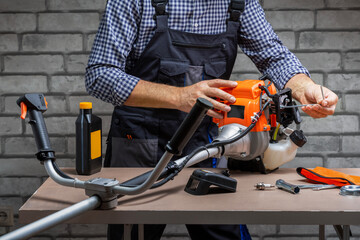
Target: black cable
[165,180]
[58,171]
[265,88]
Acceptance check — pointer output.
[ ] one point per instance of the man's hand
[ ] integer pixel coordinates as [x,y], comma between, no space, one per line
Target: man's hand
[307,92]
[208,89]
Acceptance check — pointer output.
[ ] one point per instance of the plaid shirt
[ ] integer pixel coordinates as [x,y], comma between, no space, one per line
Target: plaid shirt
[128,25]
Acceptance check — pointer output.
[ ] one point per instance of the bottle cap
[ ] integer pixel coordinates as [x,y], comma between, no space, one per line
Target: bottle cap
[86,105]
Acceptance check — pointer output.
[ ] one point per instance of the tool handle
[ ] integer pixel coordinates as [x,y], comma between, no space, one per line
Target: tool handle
[39,129]
[36,105]
[188,126]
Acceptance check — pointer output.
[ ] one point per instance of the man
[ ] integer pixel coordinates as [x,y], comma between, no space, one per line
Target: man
[153,59]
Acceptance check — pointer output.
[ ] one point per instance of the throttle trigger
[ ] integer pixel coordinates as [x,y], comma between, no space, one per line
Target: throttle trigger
[23,110]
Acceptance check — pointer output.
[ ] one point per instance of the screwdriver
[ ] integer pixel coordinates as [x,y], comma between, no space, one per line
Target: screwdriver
[304,105]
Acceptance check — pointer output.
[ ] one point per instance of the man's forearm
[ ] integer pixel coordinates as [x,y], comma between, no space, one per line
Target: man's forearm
[154,95]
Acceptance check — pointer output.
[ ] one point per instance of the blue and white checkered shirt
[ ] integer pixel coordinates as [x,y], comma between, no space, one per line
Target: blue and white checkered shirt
[128,25]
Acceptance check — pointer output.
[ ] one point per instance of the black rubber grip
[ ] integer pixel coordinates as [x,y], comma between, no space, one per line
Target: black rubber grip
[188,126]
[39,129]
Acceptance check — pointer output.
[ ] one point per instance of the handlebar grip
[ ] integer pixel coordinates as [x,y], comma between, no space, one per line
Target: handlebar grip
[188,126]
[36,105]
[39,129]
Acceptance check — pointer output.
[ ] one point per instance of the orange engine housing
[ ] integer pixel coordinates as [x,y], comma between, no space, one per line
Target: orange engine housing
[247,94]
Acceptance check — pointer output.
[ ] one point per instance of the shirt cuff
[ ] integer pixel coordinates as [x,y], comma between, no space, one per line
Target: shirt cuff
[123,88]
[280,77]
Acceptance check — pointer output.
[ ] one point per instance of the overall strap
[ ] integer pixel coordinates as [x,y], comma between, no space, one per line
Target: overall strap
[161,16]
[236,7]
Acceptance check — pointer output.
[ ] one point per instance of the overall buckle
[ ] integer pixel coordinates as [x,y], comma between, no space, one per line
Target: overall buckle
[236,7]
[159,6]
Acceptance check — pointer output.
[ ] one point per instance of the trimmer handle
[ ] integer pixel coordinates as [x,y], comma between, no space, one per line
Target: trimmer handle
[188,126]
[35,104]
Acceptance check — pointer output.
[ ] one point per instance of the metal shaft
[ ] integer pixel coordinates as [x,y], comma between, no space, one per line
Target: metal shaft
[200,156]
[53,219]
[165,159]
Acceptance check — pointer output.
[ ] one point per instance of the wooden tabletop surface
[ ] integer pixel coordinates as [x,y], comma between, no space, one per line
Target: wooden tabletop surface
[171,204]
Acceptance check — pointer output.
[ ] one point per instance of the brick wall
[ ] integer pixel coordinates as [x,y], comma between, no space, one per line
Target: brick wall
[44,45]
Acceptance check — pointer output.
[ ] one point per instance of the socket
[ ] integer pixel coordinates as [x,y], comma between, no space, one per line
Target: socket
[6,217]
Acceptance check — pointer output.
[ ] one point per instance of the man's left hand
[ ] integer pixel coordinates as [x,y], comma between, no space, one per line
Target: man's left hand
[306,91]
[325,104]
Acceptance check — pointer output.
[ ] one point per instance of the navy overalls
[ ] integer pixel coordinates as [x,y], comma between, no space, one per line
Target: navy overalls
[138,136]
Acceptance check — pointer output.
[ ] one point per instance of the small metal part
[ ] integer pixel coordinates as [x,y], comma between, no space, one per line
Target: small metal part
[287,131]
[301,105]
[263,186]
[317,187]
[350,190]
[322,92]
[6,216]
[281,184]
[102,187]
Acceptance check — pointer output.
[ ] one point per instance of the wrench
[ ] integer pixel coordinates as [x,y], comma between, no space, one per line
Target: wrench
[296,188]
[317,187]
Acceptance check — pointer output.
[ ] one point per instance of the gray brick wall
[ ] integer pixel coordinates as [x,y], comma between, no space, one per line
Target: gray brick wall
[44,46]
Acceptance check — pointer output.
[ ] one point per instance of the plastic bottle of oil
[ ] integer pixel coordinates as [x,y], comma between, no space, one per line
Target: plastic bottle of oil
[88,141]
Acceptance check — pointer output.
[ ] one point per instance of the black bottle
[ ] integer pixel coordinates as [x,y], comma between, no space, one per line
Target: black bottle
[88,141]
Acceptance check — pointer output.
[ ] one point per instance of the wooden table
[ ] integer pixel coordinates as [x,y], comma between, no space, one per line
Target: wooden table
[170,204]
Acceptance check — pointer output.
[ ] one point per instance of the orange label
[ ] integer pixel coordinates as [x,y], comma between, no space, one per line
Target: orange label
[95,144]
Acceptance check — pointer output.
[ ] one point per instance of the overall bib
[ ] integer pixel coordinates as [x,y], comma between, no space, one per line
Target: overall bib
[138,136]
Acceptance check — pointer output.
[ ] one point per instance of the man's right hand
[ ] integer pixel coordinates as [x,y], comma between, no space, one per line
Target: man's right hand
[155,95]
[208,89]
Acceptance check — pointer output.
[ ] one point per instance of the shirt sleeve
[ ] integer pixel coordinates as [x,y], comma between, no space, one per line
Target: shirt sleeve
[105,76]
[260,43]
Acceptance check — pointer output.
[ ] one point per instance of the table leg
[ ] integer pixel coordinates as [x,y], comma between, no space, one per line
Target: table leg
[346,232]
[127,231]
[141,231]
[339,231]
[321,232]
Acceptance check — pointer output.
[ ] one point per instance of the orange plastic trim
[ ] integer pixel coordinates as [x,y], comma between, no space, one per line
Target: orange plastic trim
[23,110]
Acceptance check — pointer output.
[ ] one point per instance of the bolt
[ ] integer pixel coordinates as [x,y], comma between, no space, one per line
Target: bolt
[3,216]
